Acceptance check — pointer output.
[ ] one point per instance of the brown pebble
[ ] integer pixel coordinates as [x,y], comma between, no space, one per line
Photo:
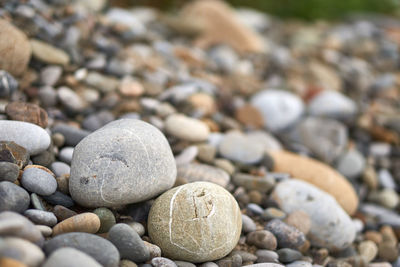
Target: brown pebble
[388,235]
[255,197]
[206,152]
[63,184]
[28,112]
[286,235]
[131,87]
[374,236]
[368,250]
[62,213]
[300,220]
[154,250]
[250,116]
[203,102]
[387,251]
[9,262]
[14,153]
[85,222]
[262,239]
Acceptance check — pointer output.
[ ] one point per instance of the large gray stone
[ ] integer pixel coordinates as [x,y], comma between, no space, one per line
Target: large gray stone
[13,197]
[70,257]
[97,247]
[28,135]
[331,227]
[126,161]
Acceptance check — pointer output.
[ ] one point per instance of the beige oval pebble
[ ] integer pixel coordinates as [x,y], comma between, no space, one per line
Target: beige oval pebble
[48,54]
[85,222]
[195,222]
[186,128]
[318,174]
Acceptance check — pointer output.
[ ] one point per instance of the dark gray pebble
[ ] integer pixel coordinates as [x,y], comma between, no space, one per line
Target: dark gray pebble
[72,135]
[59,198]
[287,255]
[287,236]
[37,202]
[13,197]
[264,255]
[63,213]
[8,171]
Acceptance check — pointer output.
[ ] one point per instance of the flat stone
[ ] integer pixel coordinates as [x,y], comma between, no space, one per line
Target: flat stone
[332,104]
[280,109]
[248,225]
[126,161]
[8,171]
[186,128]
[87,222]
[41,217]
[331,227]
[107,219]
[38,181]
[70,99]
[30,136]
[25,252]
[128,243]
[211,234]
[312,171]
[59,198]
[48,53]
[195,172]
[102,250]
[67,257]
[238,147]
[15,47]
[286,235]
[264,255]
[13,197]
[28,112]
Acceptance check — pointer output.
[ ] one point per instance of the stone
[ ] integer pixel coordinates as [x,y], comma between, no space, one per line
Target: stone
[95,121]
[27,112]
[332,104]
[48,54]
[206,222]
[71,134]
[128,243]
[331,227]
[47,96]
[70,99]
[128,263]
[388,251]
[299,263]
[10,262]
[286,235]
[154,250]
[65,154]
[15,225]
[280,109]
[49,75]
[287,255]
[13,197]
[102,250]
[300,220]
[37,202]
[38,181]
[41,217]
[8,171]
[104,83]
[187,155]
[44,159]
[238,147]
[60,168]
[186,128]
[195,172]
[30,136]
[107,219]
[63,213]
[264,255]
[250,182]
[368,249]
[84,222]
[268,141]
[67,257]
[162,262]
[63,184]
[250,116]
[265,265]
[246,256]
[386,197]
[8,84]
[15,47]
[184,264]
[45,230]
[13,153]
[25,252]
[248,225]
[311,171]
[262,239]
[351,164]
[126,161]
[59,198]
[206,153]
[273,213]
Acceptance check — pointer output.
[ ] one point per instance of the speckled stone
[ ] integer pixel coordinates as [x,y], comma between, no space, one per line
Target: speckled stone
[87,222]
[202,223]
[262,239]
[13,197]
[186,128]
[126,161]
[331,227]
[28,112]
[67,257]
[286,235]
[38,181]
[41,217]
[30,136]
[162,262]
[8,171]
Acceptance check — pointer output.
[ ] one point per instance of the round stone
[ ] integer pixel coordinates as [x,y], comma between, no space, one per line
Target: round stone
[85,222]
[30,136]
[186,128]
[368,249]
[287,236]
[126,161]
[128,243]
[28,112]
[333,104]
[331,227]
[65,154]
[351,164]
[13,197]
[102,250]
[195,222]
[23,250]
[8,171]
[300,220]
[280,109]
[60,168]
[41,217]
[262,239]
[38,181]
[67,257]
[107,219]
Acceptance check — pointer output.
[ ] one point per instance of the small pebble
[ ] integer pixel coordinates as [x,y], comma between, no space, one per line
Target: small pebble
[59,198]
[13,198]
[162,262]
[286,235]
[300,220]
[264,255]
[63,213]
[248,225]
[8,171]
[41,217]
[287,255]
[107,219]
[186,128]
[13,153]
[84,222]
[38,181]
[262,239]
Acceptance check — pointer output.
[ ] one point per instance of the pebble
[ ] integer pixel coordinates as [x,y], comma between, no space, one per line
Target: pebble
[120,164]
[68,257]
[30,136]
[95,121]
[186,128]
[262,239]
[138,227]
[14,153]
[162,262]
[154,250]
[248,225]
[47,96]
[9,262]
[70,99]
[65,154]
[104,83]
[37,202]
[8,171]
[63,184]
[299,264]
[368,250]
[273,213]
[63,213]
[24,251]
[246,256]
[287,255]
[386,197]
[351,164]
[86,222]
[311,171]
[41,217]
[238,147]
[48,54]
[331,227]
[15,47]
[250,182]
[107,219]
[128,243]
[194,172]
[268,141]
[60,168]
[280,109]
[8,84]
[50,75]
[28,112]
[45,230]
[287,236]
[13,197]
[128,263]
[184,264]
[265,265]
[300,220]
[38,181]
[102,250]
[16,225]
[206,153]
[192,238]
[332,104]
[59,198]
[187,155]
[71,134]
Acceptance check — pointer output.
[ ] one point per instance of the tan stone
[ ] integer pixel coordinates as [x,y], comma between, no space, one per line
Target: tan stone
[48,54]
[85,222]
[27,112]
[15,50]
[249,115]
[318,174]
[195,222]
